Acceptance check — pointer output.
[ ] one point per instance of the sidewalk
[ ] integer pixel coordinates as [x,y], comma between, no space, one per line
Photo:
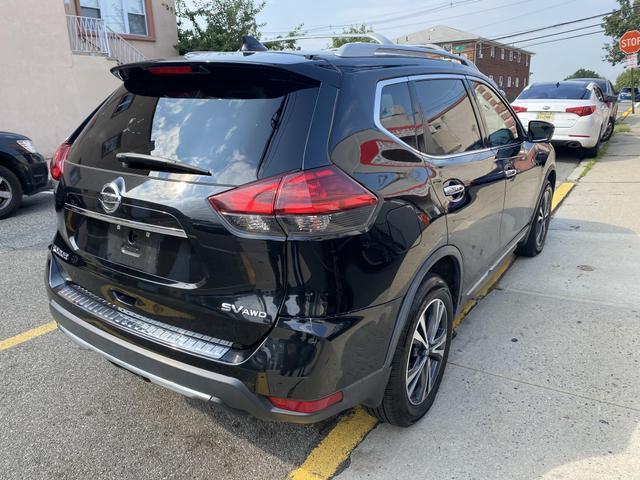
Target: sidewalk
[543,378]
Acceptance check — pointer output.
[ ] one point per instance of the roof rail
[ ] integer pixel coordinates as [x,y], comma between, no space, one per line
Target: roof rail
[380,39]
[422,51]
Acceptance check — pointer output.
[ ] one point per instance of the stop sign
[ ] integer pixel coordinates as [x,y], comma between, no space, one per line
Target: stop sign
[630,42]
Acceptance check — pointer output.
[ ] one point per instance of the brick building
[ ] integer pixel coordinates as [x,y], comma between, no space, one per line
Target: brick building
[508,66]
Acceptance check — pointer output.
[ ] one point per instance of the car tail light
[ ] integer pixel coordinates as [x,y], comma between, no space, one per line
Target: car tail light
[582,111]
[171,70]
[56,167]
[311,203]
[302,406]
[518,109]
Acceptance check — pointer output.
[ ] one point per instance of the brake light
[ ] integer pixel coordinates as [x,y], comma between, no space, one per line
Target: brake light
[324,201]
[302,406]
[582,111]
[56,167]
[171,70]
[518,109]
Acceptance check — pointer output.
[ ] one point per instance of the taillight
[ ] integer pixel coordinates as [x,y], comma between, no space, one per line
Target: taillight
[320,202]
[171,70]
[305,406]
[582,111]
[56,167]
[518,109]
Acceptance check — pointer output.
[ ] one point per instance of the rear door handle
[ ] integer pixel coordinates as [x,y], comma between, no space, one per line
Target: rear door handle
[510,172]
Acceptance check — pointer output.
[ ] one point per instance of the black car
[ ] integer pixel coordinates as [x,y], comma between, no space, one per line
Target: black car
[291,234]
[23,171]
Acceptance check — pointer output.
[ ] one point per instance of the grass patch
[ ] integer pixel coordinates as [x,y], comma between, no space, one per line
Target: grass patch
[593,161]
[621,128]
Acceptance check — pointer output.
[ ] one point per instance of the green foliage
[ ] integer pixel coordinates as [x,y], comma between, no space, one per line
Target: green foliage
[627,17]
[289,44]
[624,79]
[215,25]
[583,73]
[338,42]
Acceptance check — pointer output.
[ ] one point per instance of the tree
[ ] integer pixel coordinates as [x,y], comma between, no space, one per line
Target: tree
[215,25]
[627,17]
[289,44]
[624,80]
[583,73]
[338,42]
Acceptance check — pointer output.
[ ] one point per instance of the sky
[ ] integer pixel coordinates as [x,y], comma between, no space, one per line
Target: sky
[487,18]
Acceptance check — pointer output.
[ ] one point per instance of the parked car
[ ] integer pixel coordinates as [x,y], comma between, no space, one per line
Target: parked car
[23,171]
[609,93]
[578,110]
[625,94]
[289,234]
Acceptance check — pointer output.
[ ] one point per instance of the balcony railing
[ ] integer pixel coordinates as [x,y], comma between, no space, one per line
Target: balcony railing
[92,36]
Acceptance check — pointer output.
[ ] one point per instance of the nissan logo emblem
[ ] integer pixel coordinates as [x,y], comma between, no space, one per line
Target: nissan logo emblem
[110,197]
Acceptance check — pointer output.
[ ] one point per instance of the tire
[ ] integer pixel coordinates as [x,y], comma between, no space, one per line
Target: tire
[407,399]
[10,192]
[537,236]
[592,152]
[608,133]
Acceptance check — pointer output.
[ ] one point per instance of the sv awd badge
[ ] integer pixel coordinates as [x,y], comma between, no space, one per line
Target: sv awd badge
[230,307]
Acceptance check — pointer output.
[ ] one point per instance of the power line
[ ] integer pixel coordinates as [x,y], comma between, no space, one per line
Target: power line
[533,30]
[561,39]
[554,34]
[524,14]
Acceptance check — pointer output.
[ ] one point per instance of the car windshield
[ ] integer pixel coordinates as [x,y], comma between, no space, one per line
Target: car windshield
[560,91]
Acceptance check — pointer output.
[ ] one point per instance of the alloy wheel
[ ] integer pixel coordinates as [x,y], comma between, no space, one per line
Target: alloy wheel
[543,216]
[426,354]
[6,192]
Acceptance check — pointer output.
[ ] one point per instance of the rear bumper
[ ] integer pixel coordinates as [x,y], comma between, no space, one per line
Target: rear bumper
[241,388]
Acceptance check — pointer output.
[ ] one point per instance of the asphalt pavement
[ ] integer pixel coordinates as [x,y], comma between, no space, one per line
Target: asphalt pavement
[67,413]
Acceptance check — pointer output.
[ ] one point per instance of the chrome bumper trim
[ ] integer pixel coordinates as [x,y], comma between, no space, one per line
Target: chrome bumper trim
[158,332]
[147,227]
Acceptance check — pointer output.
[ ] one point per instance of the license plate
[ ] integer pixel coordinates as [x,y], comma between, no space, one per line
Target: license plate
[546,116]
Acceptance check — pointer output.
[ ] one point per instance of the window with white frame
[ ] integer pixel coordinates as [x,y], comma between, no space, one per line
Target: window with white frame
[519,56]
[493,51]
[480,54]
[122,16]
[511,55]
[502,54]
[508,82]
[517,82]
[500,80]
[526,60]
[491,77]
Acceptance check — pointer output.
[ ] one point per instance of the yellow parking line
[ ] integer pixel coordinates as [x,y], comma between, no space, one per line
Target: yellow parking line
[324,460]
[28,335]
[560,194]
[335,448]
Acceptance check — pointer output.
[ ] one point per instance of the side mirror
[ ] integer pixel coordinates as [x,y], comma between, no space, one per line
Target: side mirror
[540,132]
[611,98]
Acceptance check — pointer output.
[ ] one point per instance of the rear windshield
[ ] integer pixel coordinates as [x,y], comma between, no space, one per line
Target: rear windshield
[227,136]
[560,91]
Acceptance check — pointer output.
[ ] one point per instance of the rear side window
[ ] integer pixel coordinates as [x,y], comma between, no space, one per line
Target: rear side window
[449,121]
[560,91]
[226,135]
[396,112]
[501,126]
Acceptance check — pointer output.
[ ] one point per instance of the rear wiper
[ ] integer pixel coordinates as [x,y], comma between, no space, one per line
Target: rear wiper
[160,164]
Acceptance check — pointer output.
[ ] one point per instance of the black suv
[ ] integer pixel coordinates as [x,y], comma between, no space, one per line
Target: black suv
[23,171]
[291,234]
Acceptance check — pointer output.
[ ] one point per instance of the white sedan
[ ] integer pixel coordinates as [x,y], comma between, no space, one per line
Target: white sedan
[577,109]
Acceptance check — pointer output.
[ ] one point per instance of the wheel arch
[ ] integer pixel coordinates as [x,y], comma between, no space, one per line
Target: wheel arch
[446,262]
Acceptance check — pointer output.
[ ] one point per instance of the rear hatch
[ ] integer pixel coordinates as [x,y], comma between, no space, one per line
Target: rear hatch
[144,236]
[549,102]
